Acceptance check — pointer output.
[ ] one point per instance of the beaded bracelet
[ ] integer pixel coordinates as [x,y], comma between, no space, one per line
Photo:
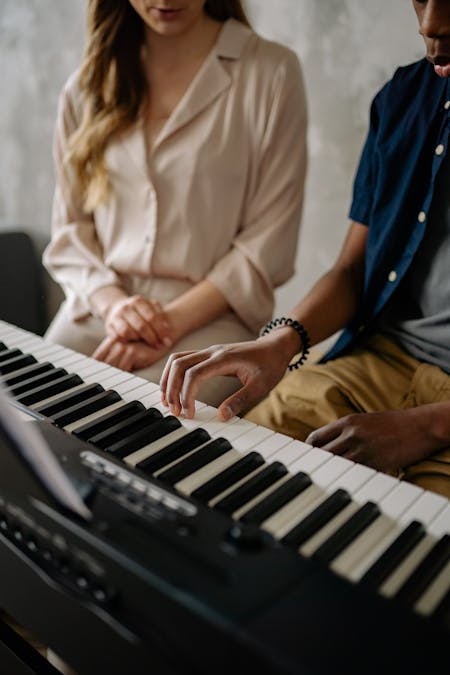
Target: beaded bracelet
[301,330]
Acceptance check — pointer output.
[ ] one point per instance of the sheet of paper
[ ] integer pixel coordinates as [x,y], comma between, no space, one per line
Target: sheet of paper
[27,441]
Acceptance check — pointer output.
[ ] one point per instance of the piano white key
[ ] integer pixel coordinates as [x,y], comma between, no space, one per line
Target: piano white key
[138,393]
[69,361]
[253,439]
[192,482]
[425,508]
[354,479]
[216,428]
[395,580]
[46,352]
[153,399]
[399,499]
[291,452]
[436,591]
[202,416]
[292,513]
[70,428]
[310,461]
[234,428]
[131,384]
[108,381]
[313,543]
[250,504]
[353,562]
[92,367]
[147,450]
[55,397]
[23,342]
[235,485]
[441,524]
[330,471]
[376,488]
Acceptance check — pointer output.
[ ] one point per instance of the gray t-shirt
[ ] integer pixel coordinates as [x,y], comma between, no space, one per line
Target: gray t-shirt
[418,316]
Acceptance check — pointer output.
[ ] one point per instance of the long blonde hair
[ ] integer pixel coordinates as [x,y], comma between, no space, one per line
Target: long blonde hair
[112,84]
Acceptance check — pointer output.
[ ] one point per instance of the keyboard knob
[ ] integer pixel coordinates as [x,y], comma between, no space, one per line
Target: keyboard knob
[248,537]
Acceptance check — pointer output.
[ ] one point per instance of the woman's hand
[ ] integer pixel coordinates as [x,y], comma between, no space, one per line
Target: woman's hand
[259,365]
[128,356]
[388,440]
[135,318]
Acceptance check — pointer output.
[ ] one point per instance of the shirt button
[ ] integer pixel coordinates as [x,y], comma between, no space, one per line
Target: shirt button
[392,275]
[440,149]
[447,105]
[148,239]
[422,217]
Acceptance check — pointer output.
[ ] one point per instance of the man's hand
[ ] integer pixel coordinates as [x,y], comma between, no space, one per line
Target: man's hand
[386,441]
[259,365]
[128,356]
[138,319]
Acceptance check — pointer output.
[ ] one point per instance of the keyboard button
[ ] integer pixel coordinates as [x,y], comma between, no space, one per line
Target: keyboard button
[25,373]
[425,572]
[123,429]
[36,381]
[67,400]
[16,363]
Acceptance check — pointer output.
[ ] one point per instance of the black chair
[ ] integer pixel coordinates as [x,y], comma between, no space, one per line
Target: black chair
[22,294]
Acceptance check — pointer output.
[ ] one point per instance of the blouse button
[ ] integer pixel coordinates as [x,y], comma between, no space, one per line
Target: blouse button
[392,275]
[447,105]
[440,149]
[422,217]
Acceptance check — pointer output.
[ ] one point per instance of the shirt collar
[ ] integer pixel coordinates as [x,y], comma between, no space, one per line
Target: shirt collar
[232,39]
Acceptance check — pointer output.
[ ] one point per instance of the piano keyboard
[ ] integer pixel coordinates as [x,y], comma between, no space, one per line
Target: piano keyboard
[367,527]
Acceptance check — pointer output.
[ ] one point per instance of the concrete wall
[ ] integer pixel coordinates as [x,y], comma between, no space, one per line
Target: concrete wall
[348,48]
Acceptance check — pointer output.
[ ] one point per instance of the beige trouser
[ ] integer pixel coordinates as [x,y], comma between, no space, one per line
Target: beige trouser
[86,334]
[377,376]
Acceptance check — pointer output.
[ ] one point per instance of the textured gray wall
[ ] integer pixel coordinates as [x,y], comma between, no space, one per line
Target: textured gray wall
[348,48]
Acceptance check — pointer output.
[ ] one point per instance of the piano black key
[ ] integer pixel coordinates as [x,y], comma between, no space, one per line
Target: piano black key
[394,555]
[173,451]
[25,373]
[149,434]
[277,499]
[123,429]
[85,408]
[196,461]
[16,363]
[228,477]
[7,354]
[108,420]
[317,519]
[52,388]
[347,533]
[2,346]
[68,400]
[36,381]
[425,572]
[251,488]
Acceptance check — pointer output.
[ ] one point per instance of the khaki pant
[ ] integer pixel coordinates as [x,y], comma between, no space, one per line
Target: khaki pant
[377,376]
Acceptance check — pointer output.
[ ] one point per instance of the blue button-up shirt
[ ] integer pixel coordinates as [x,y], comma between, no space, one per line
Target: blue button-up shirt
[394,184]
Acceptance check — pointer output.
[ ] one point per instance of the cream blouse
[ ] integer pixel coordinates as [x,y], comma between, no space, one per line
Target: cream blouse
[219,197]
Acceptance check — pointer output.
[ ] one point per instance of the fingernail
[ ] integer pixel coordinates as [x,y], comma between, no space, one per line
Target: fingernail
[227,413]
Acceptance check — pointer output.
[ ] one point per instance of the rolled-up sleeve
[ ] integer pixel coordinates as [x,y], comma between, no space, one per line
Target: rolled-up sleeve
[262,255]
[74,256]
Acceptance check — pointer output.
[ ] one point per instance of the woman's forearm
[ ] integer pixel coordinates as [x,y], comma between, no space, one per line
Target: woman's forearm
[200,305]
